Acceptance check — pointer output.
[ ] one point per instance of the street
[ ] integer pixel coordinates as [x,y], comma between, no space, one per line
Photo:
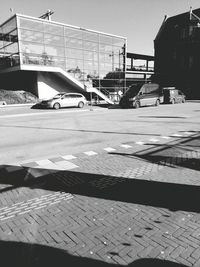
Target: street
[101,186]
[28,134]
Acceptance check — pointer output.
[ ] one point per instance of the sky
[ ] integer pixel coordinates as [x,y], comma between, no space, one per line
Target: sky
[137,20]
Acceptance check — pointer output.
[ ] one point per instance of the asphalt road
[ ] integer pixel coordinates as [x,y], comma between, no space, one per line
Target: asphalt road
[34,134]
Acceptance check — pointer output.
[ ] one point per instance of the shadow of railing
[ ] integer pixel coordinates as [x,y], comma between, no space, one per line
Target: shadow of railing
[173,196]
[177,153]
[151,193]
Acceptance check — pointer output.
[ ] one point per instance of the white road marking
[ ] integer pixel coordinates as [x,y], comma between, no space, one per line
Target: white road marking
[126,146]
[153,140]
[139,143]
[66,165]
[90,153]
[43,162]
[55,202]
[109,149]
[165,137]
[68,157]
[5,218]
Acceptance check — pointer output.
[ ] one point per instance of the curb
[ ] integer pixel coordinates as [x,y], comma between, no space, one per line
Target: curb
[16,105]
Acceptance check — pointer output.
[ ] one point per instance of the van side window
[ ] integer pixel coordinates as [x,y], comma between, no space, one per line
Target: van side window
[150,89]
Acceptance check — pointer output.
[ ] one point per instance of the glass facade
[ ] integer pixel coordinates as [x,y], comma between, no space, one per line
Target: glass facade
[91,57]
[9,48]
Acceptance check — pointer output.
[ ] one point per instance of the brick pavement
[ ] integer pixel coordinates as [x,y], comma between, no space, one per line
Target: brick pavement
[136,206]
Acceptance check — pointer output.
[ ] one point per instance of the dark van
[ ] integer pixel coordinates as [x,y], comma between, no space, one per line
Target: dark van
[173,95]
[139,95]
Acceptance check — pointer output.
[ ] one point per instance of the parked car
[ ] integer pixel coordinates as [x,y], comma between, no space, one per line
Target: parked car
[173,95]
[65,100]
[139,95]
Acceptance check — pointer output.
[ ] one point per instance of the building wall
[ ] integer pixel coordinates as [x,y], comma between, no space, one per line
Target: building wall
[177,54]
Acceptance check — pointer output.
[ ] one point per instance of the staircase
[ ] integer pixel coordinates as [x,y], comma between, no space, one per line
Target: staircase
[99,93]
[69,79]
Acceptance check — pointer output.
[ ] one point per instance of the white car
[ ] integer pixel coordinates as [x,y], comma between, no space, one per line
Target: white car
[65,100]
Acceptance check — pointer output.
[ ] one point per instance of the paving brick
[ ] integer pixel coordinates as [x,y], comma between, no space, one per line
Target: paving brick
[177,251]
[196,254]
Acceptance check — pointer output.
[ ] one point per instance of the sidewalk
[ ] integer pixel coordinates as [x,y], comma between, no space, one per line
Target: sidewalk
[135,206]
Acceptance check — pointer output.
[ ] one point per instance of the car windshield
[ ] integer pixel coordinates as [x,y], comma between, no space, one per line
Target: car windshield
[133,90]
[58,96]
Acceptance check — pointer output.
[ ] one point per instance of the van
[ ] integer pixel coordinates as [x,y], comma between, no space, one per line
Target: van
[173,95]
[139,95]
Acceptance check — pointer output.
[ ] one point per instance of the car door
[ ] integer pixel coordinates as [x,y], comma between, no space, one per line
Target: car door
[74,99]
[180,96]
[152,93]
[142,96]
[67,101]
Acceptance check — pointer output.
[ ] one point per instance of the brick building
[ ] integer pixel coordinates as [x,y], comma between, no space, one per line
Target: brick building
[177,52]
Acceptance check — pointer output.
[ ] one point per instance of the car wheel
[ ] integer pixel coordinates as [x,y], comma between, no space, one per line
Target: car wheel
[137,105]
[80,104]
[56,106]
[157,103]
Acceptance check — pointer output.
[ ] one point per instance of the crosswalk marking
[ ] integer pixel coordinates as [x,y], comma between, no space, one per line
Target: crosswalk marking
[90,153]
[109,149]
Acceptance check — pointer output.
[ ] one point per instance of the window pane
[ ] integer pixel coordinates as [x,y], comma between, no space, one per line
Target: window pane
[57,62]
[89,55]
[74,65]
[9,26]
[105,39]
[74,33]
[32,48]
[55,51]
[53,28]
[9,38]
[117,50]
[11,49]
[105,48]
[109,58]
[74,43]
[31,24]
[90,46]
[118,41]
[74,53]
[31,36]
[90,36]
[53,39]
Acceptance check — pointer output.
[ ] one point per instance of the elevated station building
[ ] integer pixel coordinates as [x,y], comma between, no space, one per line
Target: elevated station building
[47,57]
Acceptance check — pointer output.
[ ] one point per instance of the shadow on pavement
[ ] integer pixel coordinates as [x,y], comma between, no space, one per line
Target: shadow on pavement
[164,117]
[172,196]
[173,154]
[20,254]
[158,194]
